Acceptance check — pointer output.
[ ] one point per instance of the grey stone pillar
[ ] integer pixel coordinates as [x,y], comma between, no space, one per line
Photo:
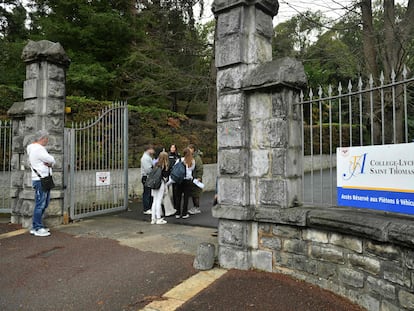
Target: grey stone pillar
[258,130]
[43,108]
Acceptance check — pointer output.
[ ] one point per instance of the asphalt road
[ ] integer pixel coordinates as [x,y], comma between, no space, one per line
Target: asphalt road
[205,219]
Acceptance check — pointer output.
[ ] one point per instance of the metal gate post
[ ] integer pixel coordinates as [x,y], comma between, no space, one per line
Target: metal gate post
[72,171]
[125,134]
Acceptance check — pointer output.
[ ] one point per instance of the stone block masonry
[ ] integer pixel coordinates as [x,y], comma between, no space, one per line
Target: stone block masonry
[44,94]
[377,276]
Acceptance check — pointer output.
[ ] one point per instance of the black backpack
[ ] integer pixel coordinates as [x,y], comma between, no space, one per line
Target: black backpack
[154,178]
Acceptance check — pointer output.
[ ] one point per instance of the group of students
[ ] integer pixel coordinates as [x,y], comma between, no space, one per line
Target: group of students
[178,193]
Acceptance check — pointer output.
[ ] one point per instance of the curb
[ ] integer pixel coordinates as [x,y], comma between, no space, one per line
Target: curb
[183,292]
[13,233]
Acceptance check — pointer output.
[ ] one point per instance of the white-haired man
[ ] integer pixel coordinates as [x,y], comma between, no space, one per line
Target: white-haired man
[40,162]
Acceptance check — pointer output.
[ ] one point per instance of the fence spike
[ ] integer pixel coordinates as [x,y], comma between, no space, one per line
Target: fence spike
[382,78]
[360,84]
[310,94]
[320,91]
[404,72]
[349,86]
[301,96]
[393,75]
[340,88]
[329,90]
[371,81]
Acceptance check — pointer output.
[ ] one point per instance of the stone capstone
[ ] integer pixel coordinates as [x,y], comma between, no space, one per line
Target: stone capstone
[283,71]
[17,109]
[45,50]
[270,7]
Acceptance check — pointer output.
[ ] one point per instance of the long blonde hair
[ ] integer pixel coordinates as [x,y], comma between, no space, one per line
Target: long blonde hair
[188,157]
[163,161]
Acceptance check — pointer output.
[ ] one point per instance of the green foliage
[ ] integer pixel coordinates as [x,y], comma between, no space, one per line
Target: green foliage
[330,61]
[151,125]
[293,37]
[12,20]
[151,53]
[157,113]
[8,96]
[334,134]
[12,68]
[83,109]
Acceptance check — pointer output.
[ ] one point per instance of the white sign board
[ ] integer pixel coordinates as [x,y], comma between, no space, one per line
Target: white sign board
[377,177]
[103,178]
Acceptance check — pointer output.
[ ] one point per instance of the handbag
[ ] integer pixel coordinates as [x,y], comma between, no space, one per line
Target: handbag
[46,182]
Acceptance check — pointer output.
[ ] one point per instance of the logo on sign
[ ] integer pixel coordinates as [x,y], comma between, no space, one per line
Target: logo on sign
[356,166]
[103,178]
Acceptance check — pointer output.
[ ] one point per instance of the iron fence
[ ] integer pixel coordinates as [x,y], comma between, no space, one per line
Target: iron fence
[355,115]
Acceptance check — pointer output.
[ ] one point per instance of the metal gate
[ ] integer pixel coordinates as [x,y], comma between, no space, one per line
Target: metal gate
[5,165]
[96,164]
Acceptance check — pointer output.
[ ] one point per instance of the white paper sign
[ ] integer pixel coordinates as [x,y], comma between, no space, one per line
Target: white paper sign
[103,178]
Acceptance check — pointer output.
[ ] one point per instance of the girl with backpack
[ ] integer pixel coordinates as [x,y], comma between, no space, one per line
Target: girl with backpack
[158,194]
[185,187]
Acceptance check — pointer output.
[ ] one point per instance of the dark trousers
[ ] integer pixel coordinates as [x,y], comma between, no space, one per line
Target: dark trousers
[182,189]
[146,196]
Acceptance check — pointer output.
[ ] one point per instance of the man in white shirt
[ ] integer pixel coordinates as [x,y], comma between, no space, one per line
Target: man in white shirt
[40,162]
[146,167]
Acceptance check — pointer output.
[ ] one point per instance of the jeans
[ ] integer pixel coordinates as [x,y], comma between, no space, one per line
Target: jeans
[42,199]
[146,196]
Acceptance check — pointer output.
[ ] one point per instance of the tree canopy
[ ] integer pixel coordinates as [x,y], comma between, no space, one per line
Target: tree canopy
[148,52]
[154,53]
[369,38]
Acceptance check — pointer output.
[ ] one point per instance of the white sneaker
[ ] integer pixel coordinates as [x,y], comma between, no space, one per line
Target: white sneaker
[177,216]
[153,221]
[186,216]
[41,232]
[197,210]
[192,211]
[161,221]
[32,231]
[148,212]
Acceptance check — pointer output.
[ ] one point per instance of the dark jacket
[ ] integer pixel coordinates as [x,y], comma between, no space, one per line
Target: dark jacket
[172,158]
[197,173]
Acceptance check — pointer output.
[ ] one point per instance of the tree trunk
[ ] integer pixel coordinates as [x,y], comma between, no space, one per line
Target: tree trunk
[371,64]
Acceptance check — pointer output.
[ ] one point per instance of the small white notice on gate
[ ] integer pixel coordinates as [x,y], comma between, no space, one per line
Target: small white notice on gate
[103,178]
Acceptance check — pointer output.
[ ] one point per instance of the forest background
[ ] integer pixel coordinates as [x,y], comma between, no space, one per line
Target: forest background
[158,57]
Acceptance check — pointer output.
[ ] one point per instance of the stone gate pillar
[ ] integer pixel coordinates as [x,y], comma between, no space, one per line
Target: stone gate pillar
[43,108]
[258,123]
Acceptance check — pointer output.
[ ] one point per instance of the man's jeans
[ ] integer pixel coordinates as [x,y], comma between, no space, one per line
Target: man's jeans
[146,196]
[42,200]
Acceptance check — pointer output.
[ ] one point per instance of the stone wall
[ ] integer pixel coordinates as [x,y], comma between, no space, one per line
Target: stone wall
[376,275]
[363,255]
